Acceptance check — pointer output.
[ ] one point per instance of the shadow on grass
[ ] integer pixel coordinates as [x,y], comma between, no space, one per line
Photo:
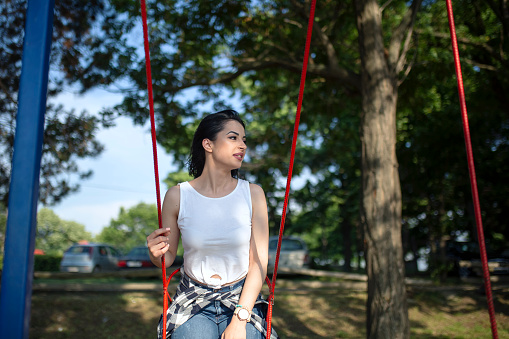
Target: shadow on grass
[327,313]
[94,315]
[456,312]
[444,300]
[500,299]
[298,313]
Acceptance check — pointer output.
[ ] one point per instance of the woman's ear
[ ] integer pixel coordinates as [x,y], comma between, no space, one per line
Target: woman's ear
[207,145]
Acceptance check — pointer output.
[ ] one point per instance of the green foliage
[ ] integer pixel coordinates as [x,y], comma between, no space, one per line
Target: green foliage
[437,200]
[55,235]
[251,52]
[47,263]
[3,226]
[257,58]
[131,227]
[68,135]
[172,179]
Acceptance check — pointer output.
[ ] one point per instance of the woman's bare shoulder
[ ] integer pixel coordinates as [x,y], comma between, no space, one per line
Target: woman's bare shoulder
[173,190]
[172,197]
[256,192]
[256,188]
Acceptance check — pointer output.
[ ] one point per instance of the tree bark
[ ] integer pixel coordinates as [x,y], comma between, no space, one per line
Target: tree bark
[346,230]
[387,313]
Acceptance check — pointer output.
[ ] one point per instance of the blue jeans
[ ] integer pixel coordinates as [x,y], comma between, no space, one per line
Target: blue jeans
[213,319]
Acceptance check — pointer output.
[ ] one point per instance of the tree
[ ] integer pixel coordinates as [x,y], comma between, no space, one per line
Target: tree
[436,188]
[68,136]
[55,235]
[328,216]
[381,206]
[173,179]
[359,54]
[3,225]
[328,207]
[131,227]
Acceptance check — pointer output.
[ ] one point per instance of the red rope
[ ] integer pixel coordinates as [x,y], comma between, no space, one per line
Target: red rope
[473,181]
[292,157]
[154,151]
[290,170]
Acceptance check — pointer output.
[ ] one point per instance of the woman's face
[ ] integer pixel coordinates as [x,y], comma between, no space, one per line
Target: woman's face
[229,148]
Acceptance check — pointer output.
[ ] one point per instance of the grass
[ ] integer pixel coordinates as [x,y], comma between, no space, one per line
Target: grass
[299,312]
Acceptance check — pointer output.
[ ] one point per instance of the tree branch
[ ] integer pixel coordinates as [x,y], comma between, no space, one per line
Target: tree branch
[396,54]
[384,6]
[329,47]
[491,51]
[6,90]
[332,57]
[409,66]
[324,39]
[406,46]
[285,51]
[501,12]
[482,66]
[341,75]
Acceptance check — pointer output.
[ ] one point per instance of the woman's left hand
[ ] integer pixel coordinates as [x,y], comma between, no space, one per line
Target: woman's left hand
[235,330]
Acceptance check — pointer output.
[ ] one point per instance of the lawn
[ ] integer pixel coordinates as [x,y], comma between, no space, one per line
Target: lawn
[303,309]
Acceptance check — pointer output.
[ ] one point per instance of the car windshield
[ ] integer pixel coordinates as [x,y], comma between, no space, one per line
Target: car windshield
[138,251]
[286,245]
[78,249]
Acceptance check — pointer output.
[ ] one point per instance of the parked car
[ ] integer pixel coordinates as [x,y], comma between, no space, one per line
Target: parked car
[498,264]
[294,252]
[461,254]
[138,257]
[466,259]
[87,258]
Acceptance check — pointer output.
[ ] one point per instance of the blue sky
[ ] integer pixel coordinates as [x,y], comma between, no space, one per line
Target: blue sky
[123,173]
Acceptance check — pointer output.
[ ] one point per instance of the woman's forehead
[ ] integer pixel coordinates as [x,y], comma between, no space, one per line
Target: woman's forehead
[234,126]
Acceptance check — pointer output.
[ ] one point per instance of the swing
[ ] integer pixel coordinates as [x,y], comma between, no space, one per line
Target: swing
[271,283]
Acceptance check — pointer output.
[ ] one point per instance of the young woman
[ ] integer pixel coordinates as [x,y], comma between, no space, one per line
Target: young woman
[224,227]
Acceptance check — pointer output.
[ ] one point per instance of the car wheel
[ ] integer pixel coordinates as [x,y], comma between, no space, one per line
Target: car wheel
[96,269]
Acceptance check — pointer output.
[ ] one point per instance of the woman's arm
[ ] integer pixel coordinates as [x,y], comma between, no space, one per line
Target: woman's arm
[165,240]
[258,259]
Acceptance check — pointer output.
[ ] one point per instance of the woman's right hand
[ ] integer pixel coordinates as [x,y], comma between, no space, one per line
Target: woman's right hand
[158,242]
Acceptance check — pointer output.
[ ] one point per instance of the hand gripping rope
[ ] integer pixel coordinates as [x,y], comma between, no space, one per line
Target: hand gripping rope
[272,283]
[471,168]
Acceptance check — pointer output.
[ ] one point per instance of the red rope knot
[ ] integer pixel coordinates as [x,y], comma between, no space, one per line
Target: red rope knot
[270,299]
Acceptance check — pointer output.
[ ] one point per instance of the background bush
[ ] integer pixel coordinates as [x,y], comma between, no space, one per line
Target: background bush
[47,263]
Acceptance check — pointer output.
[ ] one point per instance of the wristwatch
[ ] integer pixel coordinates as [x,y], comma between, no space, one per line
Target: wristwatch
[242,313]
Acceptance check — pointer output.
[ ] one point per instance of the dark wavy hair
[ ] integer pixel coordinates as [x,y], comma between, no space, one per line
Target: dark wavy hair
[208,128]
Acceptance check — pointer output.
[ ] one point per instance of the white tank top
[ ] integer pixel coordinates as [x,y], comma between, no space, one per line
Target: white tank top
[216,234]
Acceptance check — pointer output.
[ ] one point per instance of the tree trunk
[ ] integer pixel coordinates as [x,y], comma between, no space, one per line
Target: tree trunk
[387,313]
[346,230]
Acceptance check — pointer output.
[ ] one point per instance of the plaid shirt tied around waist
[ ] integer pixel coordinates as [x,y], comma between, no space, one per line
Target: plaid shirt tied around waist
[191,297]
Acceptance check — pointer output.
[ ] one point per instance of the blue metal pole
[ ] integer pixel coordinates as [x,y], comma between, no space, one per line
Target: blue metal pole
[17,275]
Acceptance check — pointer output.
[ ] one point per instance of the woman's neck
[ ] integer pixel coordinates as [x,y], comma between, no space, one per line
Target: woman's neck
[214,184]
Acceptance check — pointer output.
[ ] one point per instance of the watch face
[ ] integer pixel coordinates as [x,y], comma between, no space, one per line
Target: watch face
[243,314]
